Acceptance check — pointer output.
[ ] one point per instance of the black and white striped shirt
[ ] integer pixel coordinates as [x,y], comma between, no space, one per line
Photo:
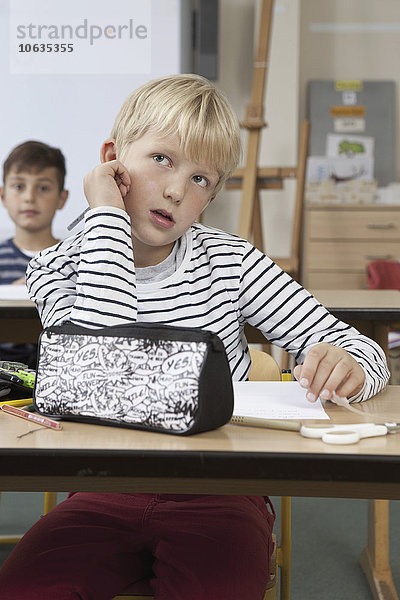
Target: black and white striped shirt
[221,283]
[13,262]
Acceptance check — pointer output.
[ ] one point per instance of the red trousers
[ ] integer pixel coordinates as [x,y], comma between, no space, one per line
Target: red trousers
[92,546]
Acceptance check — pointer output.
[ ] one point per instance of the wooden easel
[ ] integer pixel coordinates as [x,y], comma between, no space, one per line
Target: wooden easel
[273,178]
[254,121]
[252,179]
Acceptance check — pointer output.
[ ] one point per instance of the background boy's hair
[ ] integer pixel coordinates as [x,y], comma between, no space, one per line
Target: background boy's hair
[35,156]
[187,105]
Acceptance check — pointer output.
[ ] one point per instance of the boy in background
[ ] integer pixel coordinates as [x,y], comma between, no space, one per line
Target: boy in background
[32,192]
[142,257]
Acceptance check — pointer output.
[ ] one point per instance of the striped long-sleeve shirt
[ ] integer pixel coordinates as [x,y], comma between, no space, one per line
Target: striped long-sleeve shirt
[221,283]
[13,262]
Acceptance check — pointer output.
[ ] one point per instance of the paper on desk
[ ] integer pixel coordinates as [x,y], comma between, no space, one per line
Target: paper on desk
[13,292]
[274,400]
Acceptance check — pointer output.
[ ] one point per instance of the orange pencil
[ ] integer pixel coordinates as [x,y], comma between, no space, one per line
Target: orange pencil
[18,412]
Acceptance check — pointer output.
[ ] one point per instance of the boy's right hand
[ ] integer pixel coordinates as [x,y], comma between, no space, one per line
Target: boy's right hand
[107,185]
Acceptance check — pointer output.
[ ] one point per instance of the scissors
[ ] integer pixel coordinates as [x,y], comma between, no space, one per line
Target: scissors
[346,434]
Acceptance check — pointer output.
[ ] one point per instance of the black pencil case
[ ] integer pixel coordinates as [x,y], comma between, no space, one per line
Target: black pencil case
[140,375]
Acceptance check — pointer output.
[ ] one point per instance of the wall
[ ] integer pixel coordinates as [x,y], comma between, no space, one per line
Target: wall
[350,39]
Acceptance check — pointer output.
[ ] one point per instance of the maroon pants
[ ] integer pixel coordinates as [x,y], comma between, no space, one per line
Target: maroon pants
[92,546]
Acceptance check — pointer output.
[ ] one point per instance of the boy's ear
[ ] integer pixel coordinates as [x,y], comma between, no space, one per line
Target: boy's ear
[107,151]
[63,198]
[2,194]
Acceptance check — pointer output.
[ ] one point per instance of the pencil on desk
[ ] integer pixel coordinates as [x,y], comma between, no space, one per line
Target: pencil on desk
[39,419]
[19,402]
[266,423]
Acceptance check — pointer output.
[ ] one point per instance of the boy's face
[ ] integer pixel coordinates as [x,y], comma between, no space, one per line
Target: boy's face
[31,199]
[168,192]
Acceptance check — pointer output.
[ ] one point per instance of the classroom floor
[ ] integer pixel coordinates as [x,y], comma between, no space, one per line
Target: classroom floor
[328,536]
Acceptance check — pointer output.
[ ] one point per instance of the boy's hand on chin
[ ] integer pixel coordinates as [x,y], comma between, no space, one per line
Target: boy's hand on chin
[107,185]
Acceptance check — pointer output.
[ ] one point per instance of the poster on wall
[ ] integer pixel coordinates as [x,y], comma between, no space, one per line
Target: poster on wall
[353,119]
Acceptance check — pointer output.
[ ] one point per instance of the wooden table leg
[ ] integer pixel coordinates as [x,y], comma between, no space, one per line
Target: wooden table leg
[375,556]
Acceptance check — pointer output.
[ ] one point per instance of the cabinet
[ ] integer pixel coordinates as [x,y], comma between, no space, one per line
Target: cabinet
[340,240]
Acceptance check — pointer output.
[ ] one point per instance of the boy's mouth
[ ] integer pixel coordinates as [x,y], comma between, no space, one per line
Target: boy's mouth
[29,212]
[163,218]
[164,213]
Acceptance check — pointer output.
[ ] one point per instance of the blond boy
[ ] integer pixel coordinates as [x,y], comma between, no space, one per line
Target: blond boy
[143,257]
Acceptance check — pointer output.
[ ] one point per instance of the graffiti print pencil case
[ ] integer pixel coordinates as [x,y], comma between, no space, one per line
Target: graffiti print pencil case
[141,375]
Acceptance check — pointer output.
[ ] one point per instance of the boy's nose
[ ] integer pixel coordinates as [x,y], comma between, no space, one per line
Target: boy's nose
[29,193]
[175,191]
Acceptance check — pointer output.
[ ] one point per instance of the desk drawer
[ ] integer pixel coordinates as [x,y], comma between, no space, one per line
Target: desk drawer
[349,256]
[357,224]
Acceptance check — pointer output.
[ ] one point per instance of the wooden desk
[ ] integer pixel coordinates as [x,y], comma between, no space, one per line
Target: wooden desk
[230,460]
[19,321]
[269,469]
[371,310]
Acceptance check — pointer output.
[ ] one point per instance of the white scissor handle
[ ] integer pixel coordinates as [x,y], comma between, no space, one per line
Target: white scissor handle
[343,434]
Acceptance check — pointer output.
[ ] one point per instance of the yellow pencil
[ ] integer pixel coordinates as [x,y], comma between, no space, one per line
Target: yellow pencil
[19,402]
[286,375]
[284,424]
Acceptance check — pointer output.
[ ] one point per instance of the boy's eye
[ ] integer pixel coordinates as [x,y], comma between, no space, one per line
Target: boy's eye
[18,187]
[44,188]
[161,159]
[200,180]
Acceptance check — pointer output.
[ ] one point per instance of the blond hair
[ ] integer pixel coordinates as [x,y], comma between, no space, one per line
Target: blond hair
[187,105]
